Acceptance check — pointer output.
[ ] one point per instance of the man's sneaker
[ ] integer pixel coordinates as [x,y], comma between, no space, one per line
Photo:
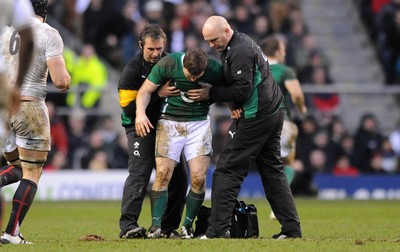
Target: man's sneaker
[134,233]
[186,232]
[171,234]
[225,235]
[287,235]
[154,232]
[9,239]
[203,237]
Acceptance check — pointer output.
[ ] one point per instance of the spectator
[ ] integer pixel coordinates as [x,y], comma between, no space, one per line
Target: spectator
[346,148]
[323,143]
[389,158]
[177,36]
[317,162]
[94,19]
[326,104]
[119,155]
[89,78]
[108,132]
[78,138]
[129,44]
[344,168]
[315,60]
[59,137]
[222,8]
[278,12]
[261,29]
[367,142]
[388,38]
[242,21]
[153,12]
[295,44]
[98,161]
[96,144]
[308,128]
[376,165]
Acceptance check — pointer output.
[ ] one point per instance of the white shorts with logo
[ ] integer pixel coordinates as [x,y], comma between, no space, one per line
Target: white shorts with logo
[192,138]
[30,128]
[288,143]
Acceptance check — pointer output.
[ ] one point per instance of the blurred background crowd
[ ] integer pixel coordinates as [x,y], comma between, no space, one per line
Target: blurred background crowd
[101,36]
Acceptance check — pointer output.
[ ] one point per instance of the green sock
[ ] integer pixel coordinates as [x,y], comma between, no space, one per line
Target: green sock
[193,204]
[289,171]
[159,200]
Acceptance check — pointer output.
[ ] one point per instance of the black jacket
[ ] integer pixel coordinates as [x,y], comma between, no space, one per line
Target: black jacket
[249,81]
[132,78]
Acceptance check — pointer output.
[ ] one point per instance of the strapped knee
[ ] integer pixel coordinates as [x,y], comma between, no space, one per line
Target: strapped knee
[31,163]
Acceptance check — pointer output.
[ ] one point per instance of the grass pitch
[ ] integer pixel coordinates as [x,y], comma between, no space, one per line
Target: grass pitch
[327,226]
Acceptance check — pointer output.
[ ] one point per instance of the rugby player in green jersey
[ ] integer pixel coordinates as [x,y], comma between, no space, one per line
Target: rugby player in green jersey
[184,126]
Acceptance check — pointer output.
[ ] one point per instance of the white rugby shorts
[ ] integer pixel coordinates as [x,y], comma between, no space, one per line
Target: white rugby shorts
[193,138]
[29,128]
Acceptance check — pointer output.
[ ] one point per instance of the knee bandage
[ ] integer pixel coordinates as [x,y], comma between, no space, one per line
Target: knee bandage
[31,163]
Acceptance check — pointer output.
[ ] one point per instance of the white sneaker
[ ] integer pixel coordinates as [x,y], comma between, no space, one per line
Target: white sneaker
[154,232]
[9,239]
[186,232]
[204,237]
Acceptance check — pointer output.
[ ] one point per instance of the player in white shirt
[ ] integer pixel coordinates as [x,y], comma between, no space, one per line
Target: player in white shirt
[17,13]
[28,141]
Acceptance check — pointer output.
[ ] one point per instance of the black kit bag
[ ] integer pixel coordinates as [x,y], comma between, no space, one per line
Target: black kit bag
[244,221]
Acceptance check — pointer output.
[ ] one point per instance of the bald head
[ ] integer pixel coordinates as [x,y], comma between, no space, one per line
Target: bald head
[217,32]
[215,24]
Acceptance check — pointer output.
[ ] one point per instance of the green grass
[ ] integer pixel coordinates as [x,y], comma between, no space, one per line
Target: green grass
[327,226]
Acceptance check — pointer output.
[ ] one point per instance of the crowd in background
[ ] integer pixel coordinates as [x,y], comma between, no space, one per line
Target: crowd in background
[109,30]
[382,20]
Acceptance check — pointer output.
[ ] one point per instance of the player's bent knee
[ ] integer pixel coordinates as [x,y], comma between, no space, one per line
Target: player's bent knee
[198,181]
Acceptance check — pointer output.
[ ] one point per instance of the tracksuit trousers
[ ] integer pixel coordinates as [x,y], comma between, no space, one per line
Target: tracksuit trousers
[251,142]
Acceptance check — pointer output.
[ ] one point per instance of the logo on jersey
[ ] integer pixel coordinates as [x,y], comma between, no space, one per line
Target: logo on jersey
[239,72]
[231,133]
[185,98]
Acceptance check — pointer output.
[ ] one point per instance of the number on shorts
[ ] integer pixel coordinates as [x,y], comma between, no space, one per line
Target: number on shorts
[14,43]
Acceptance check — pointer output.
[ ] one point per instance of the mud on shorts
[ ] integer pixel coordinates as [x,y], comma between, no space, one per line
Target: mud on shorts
[193,138]
[29,128]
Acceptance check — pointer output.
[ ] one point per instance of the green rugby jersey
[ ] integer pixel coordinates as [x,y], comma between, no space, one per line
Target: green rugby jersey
[282,73]
[181,108]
